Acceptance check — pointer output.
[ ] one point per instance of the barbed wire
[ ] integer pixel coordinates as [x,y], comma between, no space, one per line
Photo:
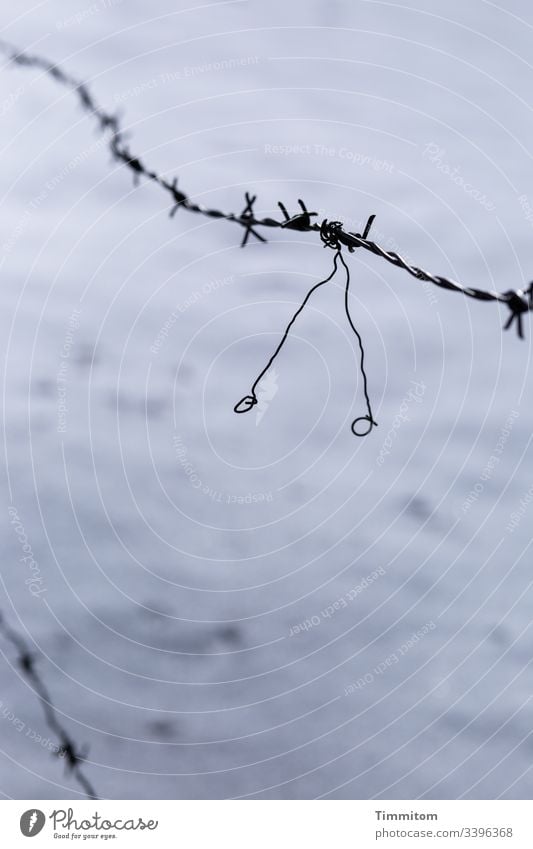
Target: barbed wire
[73,755]
[332,233]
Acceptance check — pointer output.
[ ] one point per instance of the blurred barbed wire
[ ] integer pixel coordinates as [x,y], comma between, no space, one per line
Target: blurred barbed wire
[67,749]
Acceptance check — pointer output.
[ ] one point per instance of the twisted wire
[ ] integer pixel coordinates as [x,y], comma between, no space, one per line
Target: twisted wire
[519,301]
[68,748]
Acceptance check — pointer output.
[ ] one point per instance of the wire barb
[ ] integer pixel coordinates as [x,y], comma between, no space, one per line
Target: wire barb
[519,303]
[247,215]
[301,221]
[179,197]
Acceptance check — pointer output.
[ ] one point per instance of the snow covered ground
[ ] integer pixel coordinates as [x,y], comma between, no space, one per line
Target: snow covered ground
[264,605]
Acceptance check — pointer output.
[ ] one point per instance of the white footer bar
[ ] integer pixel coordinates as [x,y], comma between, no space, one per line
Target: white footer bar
[269,824]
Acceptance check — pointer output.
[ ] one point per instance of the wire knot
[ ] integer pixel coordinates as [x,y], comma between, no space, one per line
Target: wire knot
[519,302]
[329,234]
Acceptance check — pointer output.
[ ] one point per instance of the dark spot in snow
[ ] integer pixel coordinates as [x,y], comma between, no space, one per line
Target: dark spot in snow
[184,374]
[161,728]
[44,387]
[149,407]
[84,356]
[419,507]
[500,636]
[154,407]
[229,634]
[155,608]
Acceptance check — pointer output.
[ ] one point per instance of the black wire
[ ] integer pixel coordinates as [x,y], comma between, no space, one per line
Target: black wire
[369,417]
[250,400]
[519,301]
[68,749]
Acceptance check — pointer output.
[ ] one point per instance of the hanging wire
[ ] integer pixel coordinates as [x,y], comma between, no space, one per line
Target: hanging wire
[369,418]
[249,401]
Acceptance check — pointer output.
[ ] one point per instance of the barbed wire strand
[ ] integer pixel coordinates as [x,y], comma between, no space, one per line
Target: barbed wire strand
[519,301]
[68,749]
[332,233]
